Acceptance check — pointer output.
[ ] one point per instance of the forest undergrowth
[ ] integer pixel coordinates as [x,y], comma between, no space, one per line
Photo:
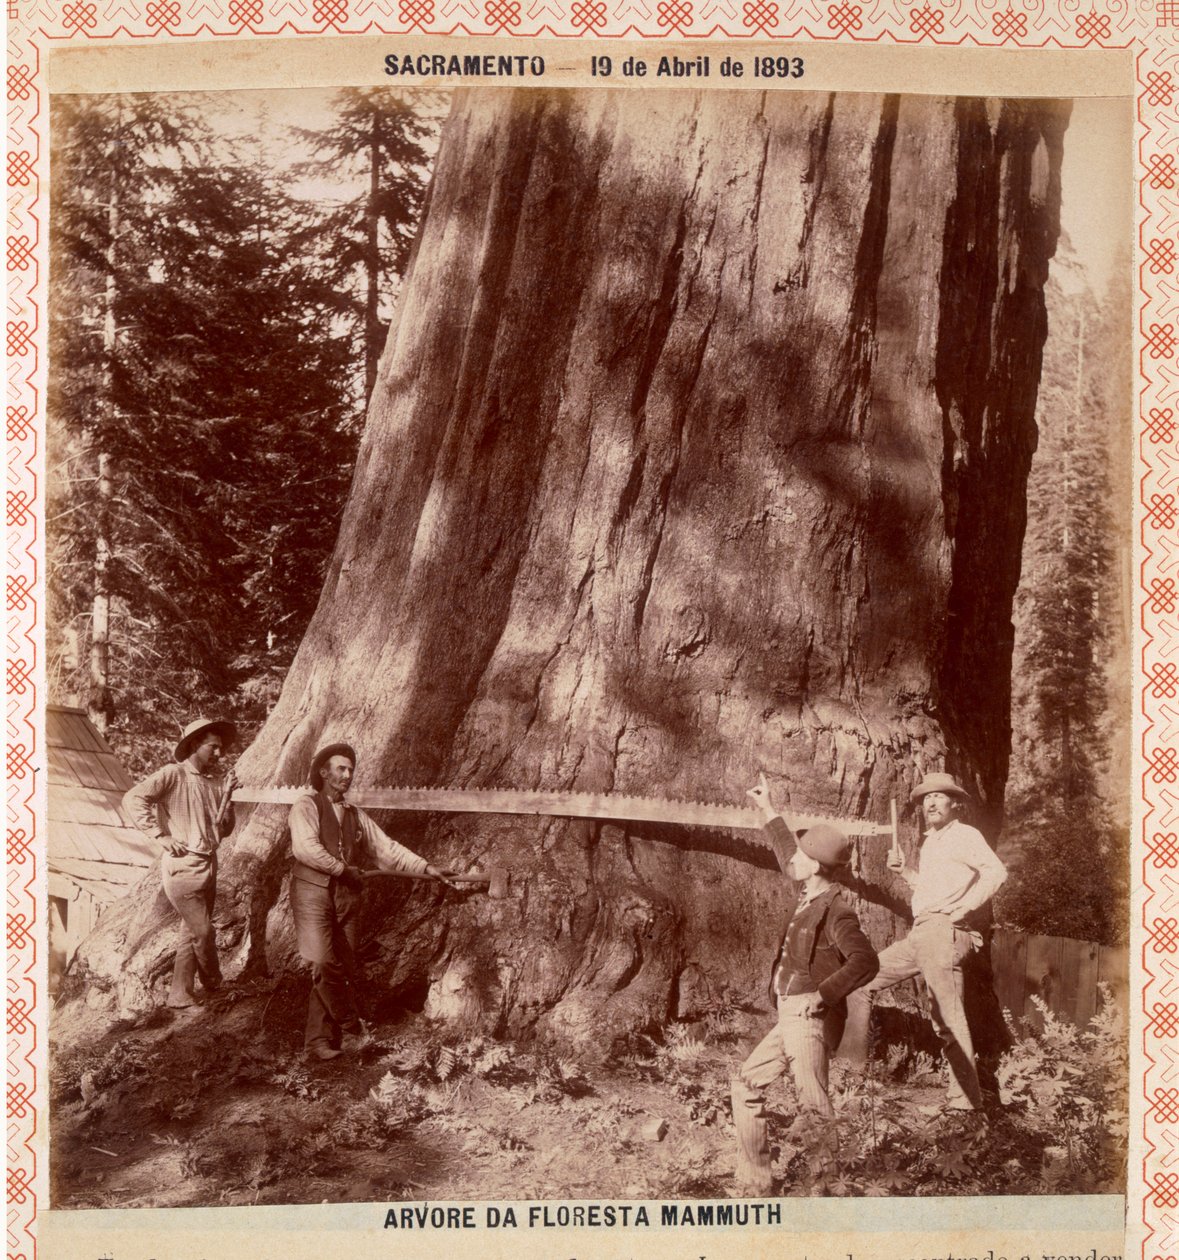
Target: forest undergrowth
[218,1107]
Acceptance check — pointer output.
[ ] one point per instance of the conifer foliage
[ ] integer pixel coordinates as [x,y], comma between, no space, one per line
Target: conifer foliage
[1067,813]
[206,398]
[386,141]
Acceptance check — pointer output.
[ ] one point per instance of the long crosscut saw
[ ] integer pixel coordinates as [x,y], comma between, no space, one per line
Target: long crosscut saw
[607,806]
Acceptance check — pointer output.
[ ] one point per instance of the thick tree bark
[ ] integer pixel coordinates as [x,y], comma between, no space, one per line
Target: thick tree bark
[372,261]
[698,448]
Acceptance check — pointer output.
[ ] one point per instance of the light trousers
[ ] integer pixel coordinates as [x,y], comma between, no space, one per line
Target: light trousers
[804,1044]
[190,884]
[935,950]
[327,926]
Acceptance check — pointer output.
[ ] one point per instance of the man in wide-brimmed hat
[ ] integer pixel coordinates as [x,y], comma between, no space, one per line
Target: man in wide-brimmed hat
[331,840]
[957,875]
[186,806]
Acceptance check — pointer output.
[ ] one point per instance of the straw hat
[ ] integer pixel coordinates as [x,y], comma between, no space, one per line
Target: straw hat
[939,783]
[192,733]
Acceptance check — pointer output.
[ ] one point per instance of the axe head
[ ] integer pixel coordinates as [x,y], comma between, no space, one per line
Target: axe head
[494,878]
[497,882]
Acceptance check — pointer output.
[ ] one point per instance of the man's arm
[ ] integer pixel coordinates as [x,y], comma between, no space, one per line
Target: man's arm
[897,864]
[386,852]
[305,841]
[777,829]
[226,817]
[141,800]
[991,871]
[391,856]
[860,961]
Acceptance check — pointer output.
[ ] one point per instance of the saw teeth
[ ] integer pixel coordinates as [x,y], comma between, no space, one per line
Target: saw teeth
[554,802]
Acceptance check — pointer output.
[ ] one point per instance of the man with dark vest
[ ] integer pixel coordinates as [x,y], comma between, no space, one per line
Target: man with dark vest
[331,840]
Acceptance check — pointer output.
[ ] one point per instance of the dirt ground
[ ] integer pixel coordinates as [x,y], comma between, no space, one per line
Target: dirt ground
[217,1106]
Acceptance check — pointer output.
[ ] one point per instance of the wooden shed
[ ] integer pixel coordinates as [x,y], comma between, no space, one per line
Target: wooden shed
[95,854]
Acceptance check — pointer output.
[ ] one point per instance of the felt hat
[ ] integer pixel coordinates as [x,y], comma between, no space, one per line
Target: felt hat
[939,783]
[826,845]
[191,735]
[326,753]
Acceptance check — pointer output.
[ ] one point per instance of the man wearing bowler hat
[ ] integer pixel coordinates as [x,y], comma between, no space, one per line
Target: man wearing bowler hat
[187,808]
[823,955]
[957,875]
[330,839]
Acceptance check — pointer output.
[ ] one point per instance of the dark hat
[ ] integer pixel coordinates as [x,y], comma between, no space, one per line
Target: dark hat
[326,753]
[826,845]
[939,783]
[191,736]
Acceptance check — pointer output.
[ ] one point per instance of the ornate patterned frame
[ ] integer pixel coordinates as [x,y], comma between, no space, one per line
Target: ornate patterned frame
[1149,27]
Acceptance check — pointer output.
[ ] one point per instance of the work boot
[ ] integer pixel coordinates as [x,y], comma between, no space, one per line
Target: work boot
[354,1039]
[322,1051]
[184,971]
[752,1184]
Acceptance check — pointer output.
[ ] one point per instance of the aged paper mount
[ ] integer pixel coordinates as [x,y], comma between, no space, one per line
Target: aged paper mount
[819,1230]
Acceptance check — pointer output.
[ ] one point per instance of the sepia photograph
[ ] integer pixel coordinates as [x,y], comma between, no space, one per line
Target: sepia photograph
[586,644]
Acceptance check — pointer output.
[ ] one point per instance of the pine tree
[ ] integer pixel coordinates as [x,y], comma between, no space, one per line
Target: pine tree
[1066,816]
[112,164]
[216,428]
[385,141]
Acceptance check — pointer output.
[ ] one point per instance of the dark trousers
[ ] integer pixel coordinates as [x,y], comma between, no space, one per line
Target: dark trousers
[190,884]
[327,922]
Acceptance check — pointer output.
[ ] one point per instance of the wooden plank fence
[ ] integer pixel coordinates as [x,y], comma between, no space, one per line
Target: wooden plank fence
[1063,972]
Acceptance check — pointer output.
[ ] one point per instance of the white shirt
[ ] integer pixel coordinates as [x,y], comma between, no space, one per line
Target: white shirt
[957,872]
[308,848]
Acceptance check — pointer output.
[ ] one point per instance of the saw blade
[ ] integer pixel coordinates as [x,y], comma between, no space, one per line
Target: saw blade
[602,805]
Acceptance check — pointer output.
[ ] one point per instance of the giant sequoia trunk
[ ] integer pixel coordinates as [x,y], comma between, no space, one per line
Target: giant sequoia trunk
[698,448]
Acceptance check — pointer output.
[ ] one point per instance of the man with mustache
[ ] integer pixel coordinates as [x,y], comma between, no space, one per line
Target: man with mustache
[957,875]
[331,839]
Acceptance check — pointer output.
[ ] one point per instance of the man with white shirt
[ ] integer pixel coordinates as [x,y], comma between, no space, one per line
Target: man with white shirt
[957,875]
[187,809]
[330,840]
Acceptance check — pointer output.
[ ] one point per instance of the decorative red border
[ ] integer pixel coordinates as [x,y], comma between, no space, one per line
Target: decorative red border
[1148,26]
[1157,680]
[960,23]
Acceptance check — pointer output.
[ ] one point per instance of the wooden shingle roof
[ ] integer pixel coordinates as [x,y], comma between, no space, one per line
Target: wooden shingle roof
[91,840]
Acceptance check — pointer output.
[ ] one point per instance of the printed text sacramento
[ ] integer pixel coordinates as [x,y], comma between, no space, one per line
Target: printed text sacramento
[471,65]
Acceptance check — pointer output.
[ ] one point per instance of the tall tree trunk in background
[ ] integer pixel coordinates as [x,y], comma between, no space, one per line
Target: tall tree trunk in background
[698,448]
[100,704]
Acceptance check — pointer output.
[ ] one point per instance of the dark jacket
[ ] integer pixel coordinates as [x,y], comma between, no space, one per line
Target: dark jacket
[841,956]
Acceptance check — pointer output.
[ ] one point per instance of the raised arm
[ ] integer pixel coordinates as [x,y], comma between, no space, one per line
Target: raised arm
[897,864]
[225,812]
[777,829]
